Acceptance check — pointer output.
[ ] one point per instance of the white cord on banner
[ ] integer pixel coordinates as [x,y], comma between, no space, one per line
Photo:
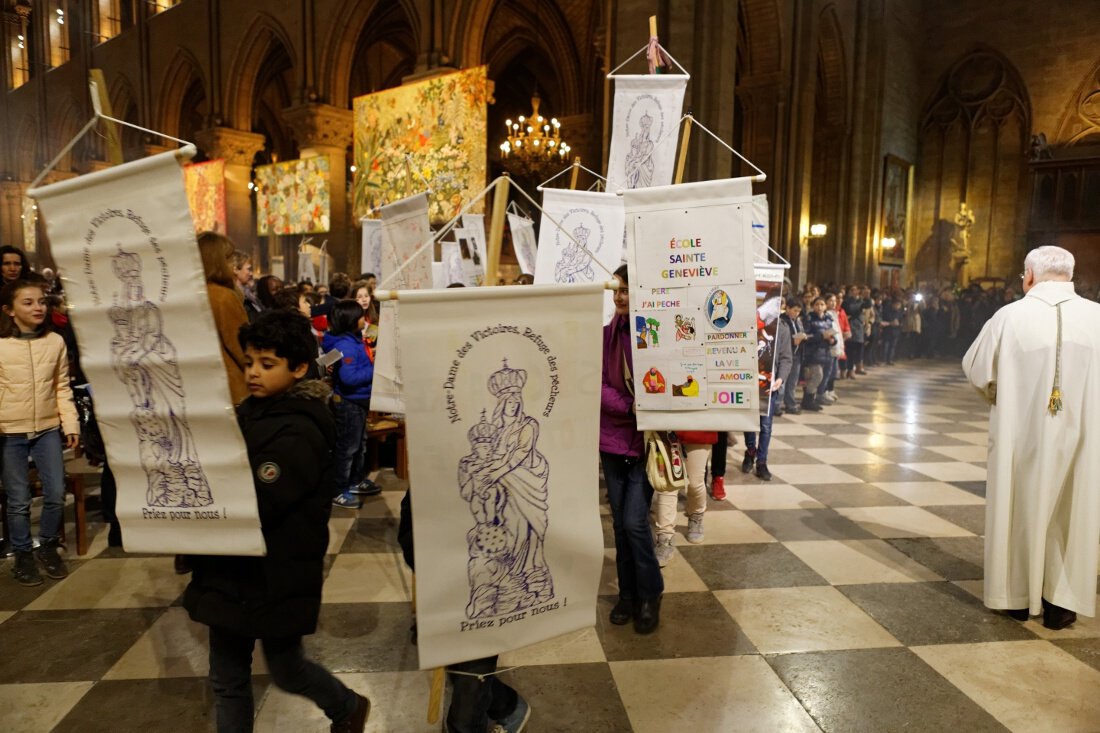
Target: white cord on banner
[412,166]
[84,131]
[569,168]
[643,49]
[572,239]
[724,144]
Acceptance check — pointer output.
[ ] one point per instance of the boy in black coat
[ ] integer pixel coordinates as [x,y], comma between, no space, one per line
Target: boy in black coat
[289,433]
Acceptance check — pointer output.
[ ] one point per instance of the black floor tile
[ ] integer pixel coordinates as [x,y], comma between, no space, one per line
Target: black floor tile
[876,690]
[692,625]
[953,558]
[933,613]
[763,565]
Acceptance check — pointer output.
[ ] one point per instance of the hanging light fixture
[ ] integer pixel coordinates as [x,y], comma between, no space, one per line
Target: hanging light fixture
[534,143]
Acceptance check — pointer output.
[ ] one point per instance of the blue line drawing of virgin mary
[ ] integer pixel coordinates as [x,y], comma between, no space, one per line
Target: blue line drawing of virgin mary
[575,265]
[639,163]
[145,361]
[505,480]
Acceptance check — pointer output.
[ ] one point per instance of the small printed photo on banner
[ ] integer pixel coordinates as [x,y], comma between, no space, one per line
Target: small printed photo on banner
[650,329]
[687,384]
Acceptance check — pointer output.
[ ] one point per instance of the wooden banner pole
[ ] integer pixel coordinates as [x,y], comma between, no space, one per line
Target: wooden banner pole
[576,172]
[683,151]
[496,230]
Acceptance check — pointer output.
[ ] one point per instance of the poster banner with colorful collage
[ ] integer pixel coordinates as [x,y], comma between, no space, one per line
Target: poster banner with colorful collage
[433,131]
[595,220]
[370,259]
[150,350]
[524,242]
[406,265]
[645,130]
[693,305]
[769,306]
[293,197]
[502,398]
[205,186]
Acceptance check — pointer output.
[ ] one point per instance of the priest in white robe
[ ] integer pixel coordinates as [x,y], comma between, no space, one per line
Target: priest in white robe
[1037,362]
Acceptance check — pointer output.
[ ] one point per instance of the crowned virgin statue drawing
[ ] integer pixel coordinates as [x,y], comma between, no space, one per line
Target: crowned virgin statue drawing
[575,265]
[505,481]
[145,361]
[639,161]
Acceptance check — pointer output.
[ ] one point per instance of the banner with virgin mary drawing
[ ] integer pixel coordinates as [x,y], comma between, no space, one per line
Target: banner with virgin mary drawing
[503,406]
[588,233]
[126,243]
[645,130]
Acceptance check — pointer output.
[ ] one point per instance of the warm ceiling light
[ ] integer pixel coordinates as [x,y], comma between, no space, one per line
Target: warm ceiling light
[818,230]
[889,243]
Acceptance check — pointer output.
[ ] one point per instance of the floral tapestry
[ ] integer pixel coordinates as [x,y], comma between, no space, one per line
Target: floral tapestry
[428,134]
[205,186]
[293,197]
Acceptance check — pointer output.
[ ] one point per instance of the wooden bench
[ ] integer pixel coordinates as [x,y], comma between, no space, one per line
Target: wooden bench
[379,428]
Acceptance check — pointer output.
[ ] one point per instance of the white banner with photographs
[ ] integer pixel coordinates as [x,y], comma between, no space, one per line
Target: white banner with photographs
[134,281]
[473,228]
[502,399]
[405,265]
[596,220]
[693,305]
[524,243]
[645,130]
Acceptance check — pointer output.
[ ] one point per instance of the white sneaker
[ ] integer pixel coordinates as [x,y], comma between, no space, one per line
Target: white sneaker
[695,528]
[832,395]
[664,549]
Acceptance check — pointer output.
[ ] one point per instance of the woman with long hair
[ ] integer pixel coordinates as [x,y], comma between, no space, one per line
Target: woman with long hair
[227,305]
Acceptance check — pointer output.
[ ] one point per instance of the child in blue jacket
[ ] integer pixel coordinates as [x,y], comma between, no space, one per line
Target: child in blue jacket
[352,377]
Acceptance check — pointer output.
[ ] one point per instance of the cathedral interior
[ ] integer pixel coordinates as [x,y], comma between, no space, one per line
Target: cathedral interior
[906,144]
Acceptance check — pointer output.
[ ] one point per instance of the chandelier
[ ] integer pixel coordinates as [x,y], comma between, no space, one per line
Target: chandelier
[534,143]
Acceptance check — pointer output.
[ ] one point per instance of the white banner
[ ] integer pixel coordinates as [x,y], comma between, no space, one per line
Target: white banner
[645,130]
[472,262]
[474,227]
[150,350]
[761,235]
[456,268]
[524,242]
[503,408]
[371,256]
[693,305]
[405,229]
[593,218]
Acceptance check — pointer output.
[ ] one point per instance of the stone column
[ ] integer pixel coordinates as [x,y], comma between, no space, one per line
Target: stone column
[321,129]
[11,212]
[237,148]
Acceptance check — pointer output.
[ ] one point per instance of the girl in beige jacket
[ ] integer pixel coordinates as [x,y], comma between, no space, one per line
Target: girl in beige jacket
[36,408]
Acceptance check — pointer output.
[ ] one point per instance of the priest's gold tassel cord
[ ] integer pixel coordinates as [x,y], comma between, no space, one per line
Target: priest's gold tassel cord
[1055,404]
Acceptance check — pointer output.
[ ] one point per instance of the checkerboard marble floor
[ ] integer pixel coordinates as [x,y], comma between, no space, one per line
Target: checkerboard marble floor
[842,596]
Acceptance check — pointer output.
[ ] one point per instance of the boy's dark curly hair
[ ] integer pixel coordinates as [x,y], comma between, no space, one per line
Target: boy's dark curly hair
[287,333]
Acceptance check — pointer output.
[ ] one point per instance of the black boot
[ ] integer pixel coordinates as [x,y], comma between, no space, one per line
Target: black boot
[750,459]
[762,471]
[622,612]
[114,535]
[55,566]
[648,615]
[1056,617]
[1018,614]
[25,569]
